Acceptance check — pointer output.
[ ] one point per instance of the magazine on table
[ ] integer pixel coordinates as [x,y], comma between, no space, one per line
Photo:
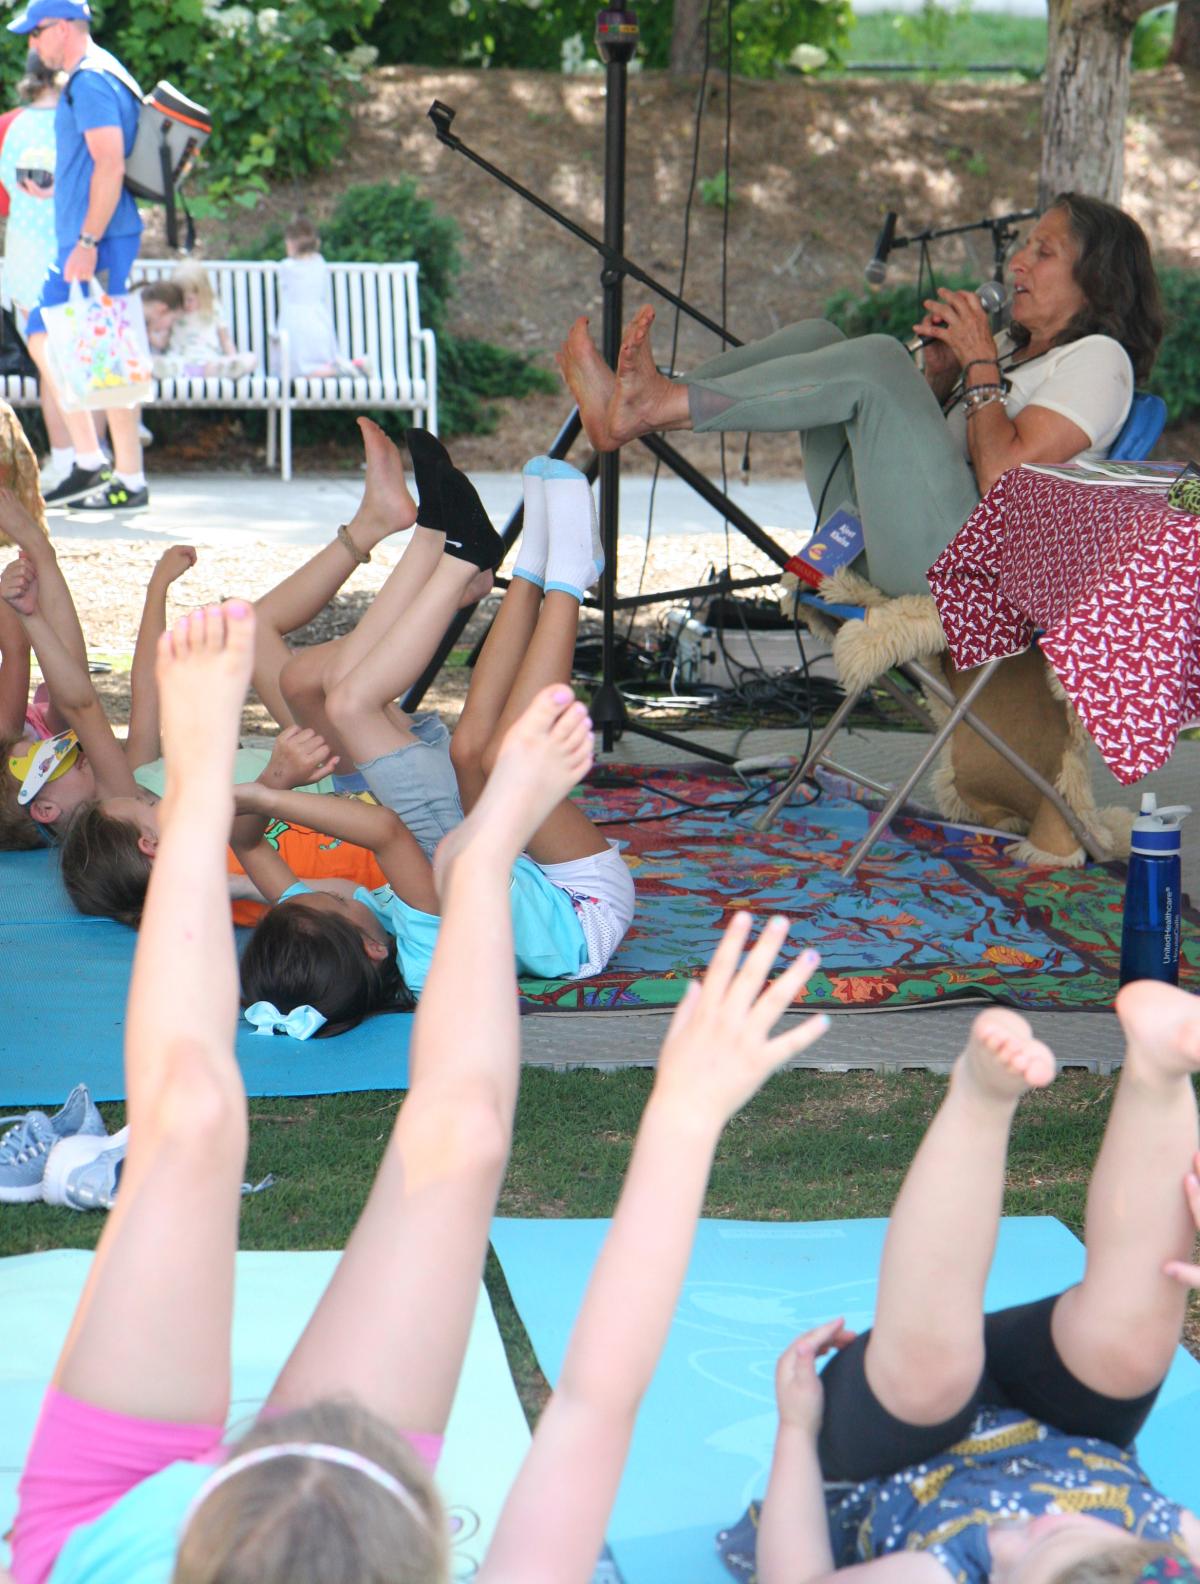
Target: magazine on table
[1138,475]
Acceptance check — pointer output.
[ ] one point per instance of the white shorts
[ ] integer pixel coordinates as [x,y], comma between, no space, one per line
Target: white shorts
[601,891]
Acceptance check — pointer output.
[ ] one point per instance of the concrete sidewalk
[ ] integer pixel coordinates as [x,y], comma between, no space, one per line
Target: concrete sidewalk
[231,509]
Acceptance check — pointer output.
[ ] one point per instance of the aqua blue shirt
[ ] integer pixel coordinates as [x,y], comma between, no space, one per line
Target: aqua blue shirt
[92,98]
[548,937]
[136,1539]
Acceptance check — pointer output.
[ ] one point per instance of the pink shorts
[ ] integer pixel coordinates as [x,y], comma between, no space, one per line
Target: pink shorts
[83,1459]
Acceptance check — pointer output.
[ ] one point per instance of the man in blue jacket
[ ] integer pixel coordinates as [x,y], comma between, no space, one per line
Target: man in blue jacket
[98,230]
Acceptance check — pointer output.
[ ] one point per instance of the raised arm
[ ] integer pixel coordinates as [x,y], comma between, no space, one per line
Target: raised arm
[370,825]
[14,672]
[141,742]
[69,684]
[717,1053]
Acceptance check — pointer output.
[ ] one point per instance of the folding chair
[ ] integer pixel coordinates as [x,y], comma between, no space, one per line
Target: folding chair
[1136,440]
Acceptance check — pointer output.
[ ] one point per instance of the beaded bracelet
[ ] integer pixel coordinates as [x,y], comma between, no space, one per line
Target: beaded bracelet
[985,401]
[974,394]
[361,556]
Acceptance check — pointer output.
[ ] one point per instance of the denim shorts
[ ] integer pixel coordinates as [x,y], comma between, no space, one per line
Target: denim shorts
[417,782]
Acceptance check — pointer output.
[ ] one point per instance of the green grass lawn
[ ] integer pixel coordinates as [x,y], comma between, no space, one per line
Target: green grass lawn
[811,1147]
[949,39]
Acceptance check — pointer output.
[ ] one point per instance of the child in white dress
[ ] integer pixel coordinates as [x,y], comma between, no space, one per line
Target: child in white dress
[306,308]
[200,340]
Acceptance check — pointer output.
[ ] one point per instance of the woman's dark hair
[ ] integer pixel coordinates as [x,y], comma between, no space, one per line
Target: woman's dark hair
[1115,273]
[104,870]
[299,957]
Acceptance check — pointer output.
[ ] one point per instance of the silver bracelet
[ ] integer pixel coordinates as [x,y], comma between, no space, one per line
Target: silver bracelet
[972,407]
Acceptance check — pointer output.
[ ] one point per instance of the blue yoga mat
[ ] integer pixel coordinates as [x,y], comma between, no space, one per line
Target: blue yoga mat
[485,1441]
[703,1442]
[63,983]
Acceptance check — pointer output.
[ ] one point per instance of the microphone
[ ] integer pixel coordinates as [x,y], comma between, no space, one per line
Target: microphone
[993,295]
[876,270]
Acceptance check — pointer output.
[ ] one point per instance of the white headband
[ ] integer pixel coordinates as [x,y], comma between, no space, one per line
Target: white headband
[323,1453]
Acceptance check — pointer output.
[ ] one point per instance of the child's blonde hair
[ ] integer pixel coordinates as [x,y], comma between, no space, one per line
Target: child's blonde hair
[301,232]
[192,277]
[18,828]
[295,1520]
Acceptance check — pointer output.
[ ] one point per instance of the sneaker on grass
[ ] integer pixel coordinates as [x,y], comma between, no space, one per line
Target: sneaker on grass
[84,1173]
[26,1147]
[79,482]
[114,496]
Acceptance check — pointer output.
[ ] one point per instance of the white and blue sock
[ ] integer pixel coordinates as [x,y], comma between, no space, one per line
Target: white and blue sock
[535,539]
[576,555]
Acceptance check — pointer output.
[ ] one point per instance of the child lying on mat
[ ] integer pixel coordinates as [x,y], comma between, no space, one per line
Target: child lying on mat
[129,1477]
[88,795]
[332,953]
[1000,1446]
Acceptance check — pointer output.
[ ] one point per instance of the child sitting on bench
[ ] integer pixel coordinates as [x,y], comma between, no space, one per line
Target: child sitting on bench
[971,1446]
[129,1475]
[342,952]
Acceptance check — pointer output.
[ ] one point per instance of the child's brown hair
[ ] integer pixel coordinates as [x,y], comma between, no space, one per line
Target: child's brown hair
[303,234]
[103,868]
[167,292]
[18,829]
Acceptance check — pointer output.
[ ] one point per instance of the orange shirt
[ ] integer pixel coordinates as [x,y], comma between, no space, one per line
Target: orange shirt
[310,856]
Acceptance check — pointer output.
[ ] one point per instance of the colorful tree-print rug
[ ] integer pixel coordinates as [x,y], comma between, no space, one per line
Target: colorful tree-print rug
[937,912]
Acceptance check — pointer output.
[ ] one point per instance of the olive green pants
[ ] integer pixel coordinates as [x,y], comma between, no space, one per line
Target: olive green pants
[913,488]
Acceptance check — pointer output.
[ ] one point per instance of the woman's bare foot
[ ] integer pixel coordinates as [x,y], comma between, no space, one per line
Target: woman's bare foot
[544,753]
[387,507]
[643,400]
[1162,1028]
[590,381]
[1002,1059]
[203,667]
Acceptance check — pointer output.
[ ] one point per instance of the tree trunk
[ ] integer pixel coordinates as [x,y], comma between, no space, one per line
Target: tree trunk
[688,43]
[1086,99]
[1185,41]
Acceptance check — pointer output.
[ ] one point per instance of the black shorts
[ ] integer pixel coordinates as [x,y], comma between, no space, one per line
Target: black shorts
[861,1440]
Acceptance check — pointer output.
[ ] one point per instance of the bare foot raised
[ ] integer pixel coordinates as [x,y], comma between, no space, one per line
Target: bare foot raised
[1162,1028]
[387,507]
[643,400]
[203,666]
[1002,1059]
[590,381]
[544,753]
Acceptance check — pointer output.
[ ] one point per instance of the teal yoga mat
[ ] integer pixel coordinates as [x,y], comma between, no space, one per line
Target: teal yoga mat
[63,983]
[486,1439]
[703,1442]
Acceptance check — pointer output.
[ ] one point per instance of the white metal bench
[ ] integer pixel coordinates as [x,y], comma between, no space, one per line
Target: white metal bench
[376,316]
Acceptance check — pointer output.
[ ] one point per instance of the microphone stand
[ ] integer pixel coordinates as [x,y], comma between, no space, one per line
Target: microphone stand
[616,39]
[1002,227]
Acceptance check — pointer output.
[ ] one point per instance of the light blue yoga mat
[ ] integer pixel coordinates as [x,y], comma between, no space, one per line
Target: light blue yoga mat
[63,983]
[485,1442]
[704,1437]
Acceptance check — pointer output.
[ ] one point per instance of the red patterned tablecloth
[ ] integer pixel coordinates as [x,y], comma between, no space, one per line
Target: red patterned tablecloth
[1111,577]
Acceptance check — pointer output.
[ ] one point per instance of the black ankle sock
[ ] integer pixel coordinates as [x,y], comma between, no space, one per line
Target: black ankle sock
[469,532]
[428,454]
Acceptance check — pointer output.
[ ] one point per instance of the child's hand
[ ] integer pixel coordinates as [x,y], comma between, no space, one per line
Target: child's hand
[719,1050]
[19,585]
[173,563]
[798,1390]
[1189,1275]
[299,755]
[16,522]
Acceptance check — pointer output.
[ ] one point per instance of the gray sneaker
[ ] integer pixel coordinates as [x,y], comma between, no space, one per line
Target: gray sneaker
[84,1173]
[25,1148]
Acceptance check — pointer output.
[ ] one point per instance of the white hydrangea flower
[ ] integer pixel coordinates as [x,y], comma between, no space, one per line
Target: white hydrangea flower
[268,20]
[362,57]
[574,53]
[808,57]
[234,19]
[459,8]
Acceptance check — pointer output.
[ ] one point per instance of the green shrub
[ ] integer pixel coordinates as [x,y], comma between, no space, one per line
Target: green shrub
[557,35]
[381,222]
[1176,376]
[1152,38]
[278,89]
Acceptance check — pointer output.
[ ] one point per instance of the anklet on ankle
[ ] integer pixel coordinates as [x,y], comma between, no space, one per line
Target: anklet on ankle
[361,556]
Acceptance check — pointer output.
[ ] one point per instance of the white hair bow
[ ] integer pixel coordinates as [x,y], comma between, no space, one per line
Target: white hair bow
[301,1022]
